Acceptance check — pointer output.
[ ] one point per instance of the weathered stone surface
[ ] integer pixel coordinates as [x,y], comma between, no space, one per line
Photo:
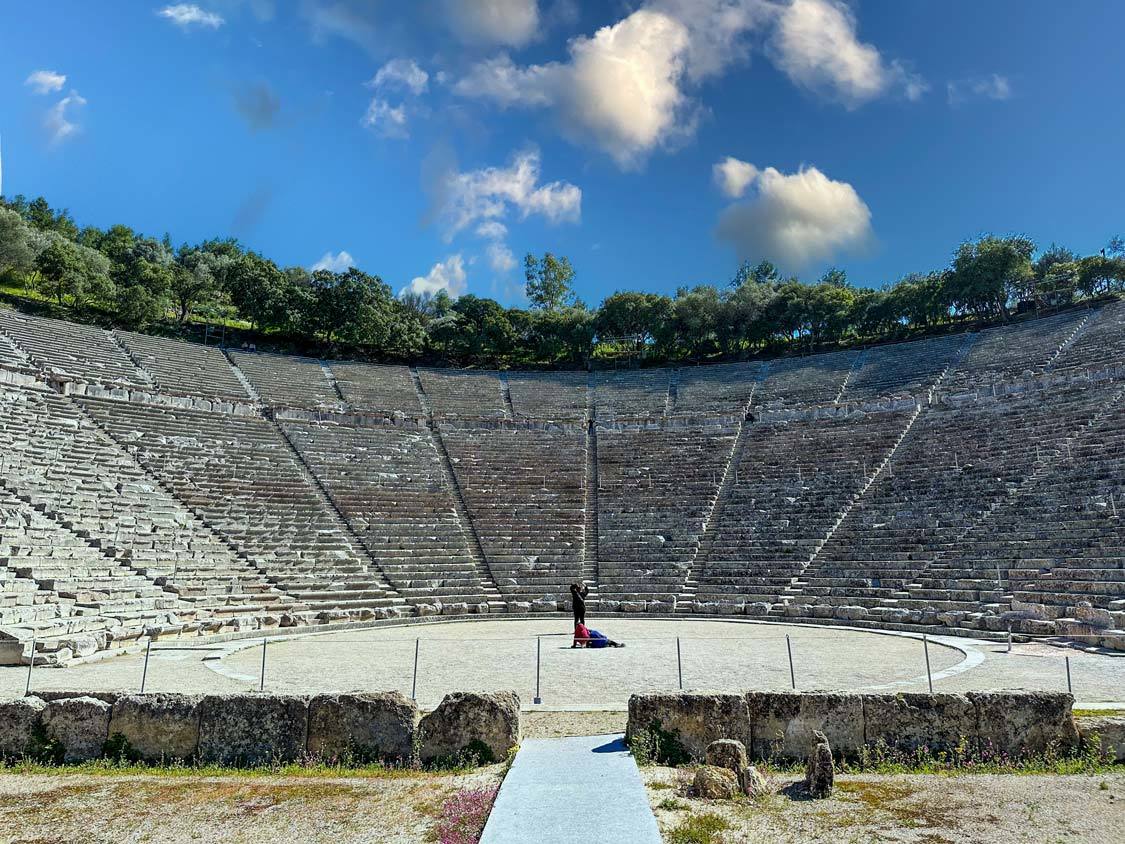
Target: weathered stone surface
[80,725]
[158,727]
[713,783]
[1020,724]
[107,696]
[781,722]
[18,719]
[754,784]
[729,754]
[693,720]
[252,729]
[819,770]
[1109,731]
[485,724]
[366,727]
[906,722]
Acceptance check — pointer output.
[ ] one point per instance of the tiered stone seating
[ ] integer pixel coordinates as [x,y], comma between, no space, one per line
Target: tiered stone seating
[793,481]
[1100,345]
[184,368]
[524,491]
[379,389]
[902,369]
[71,349]
[10,354]
[655,488]
[1013,352]
[955,463]
[797,382]
[1059,541]
[387,481]
[631,393]
[239,474]
[56,461]
[464,393]
[288,381]
[718,388]
[548,395]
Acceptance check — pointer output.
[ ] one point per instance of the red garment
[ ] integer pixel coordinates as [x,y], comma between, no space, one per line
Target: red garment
[581,634]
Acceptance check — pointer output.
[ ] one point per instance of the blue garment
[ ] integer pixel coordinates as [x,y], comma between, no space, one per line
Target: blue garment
[598,640]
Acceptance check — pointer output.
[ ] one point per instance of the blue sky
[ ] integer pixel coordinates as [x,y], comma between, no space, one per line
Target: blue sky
[655,142]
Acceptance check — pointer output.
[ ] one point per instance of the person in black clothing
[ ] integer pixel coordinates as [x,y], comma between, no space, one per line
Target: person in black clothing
[578,593]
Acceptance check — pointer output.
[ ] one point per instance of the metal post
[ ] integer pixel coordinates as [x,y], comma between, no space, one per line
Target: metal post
[792,673]
[262,686]
[1009,640]
[144,672]
[414,683]
[679,664]
[926,648]
[1069,688]
[538,648]
[30,665]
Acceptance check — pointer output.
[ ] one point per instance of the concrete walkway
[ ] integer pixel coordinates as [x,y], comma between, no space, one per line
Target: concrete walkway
[582,790]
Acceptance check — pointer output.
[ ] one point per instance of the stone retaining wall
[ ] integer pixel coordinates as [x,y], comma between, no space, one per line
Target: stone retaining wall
[779,725]
[256,729]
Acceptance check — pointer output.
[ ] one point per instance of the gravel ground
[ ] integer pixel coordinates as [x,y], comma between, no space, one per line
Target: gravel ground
[537,725]
[92,809]
[966,809]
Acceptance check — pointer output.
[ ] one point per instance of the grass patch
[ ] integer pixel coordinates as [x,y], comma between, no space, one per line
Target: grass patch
[671,804]
[698,829]
[311,770]
[1097,713]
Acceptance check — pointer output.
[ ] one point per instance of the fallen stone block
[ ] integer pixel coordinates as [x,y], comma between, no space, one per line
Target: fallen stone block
[819,770]
[484,725]
[376,726]
[158,727]
[713,783]
[250,729]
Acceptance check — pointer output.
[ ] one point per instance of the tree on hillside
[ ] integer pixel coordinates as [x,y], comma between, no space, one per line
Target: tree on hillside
[15,247]
[548,281]
[989,274]
[71,273]
[641,317]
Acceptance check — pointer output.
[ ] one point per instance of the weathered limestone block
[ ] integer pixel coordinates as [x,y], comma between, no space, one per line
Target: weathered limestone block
[544,605]
[1021,724]
[781,723]
[731,754]
[758,609]
[18,720]
[368,727]
[250,729]
[107,696]
[692,720]
[906,722]
[80,725]
[819,770]
[1109,730]
[631,606]
[661,607]
[158,727]
[713,783]
[486,724]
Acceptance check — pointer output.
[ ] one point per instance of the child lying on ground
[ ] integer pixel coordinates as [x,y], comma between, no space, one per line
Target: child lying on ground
[584,637]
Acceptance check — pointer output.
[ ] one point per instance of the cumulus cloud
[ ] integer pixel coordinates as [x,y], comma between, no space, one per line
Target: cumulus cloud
[816,46]
[45,81]
[990,87]
[386,120]
[338,263]
[734,176]
[403,74]
[511,23]
[187,15]
[796,219]
[448,275]
[492,230]
[257,104]
[60,120]
[489,194]
[500,257]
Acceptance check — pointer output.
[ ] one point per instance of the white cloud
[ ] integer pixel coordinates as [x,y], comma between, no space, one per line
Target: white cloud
[45,81]
[492,230]
[734,176]
[796,219]
[500,257]
[448,275]
[816,46]
[403,74]
[717,30]
[59,122]
[386,120]
[511,23]
[186,15]
[342,261]
[620,90]
[481,196]
[990,87]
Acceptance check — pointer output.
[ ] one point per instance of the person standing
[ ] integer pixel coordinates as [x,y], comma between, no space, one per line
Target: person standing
[578,593]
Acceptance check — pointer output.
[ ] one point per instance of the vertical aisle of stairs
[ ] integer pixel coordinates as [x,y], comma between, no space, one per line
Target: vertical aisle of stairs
[590,571]
[506,397]
[1079,329]
[856,366]
[472,540]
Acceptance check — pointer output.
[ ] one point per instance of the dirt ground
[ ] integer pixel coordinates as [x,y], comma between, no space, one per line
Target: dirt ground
[966,809]
[560,724]
[92,809]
